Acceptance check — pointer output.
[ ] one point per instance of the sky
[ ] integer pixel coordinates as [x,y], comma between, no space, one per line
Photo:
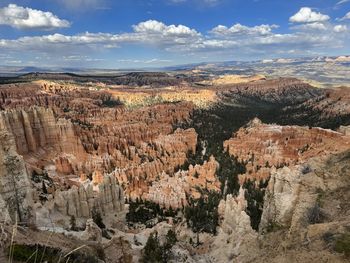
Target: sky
[158,33]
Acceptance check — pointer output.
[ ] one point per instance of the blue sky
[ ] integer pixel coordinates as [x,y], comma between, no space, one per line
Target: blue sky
[155,33]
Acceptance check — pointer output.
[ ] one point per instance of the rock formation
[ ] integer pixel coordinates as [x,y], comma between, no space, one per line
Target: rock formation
[283,91]
[15,188]
[79,202]
[92,232]
[262,146]
[235,233]
[173,191]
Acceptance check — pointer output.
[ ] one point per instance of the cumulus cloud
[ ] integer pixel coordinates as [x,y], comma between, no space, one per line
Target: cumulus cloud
[159,28]
[27,18]
[148,32]
[306,15]
[222,40]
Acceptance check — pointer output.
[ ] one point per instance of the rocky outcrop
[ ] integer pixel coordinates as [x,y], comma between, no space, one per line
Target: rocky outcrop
[304,207]
[79,202]
[92,232]
[15,188]
[37,128]
[305,211]
[167,153]
[262,146]
[289,196]
[174,191]
[236,240]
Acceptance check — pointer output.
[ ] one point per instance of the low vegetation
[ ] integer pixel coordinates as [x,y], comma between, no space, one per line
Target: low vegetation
[147,213]
[202,214]
[342,244]
[38,253]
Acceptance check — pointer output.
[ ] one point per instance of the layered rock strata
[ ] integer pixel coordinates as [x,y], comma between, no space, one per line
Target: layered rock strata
[262,146]
[174,191]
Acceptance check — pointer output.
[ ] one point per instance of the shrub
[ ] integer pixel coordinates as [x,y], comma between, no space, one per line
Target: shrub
[73,223]
[342,244]
[39,253]
[97,218]
[316,215]
[144,211]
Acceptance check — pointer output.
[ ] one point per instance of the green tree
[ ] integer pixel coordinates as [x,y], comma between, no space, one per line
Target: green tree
[97,218]
[73,223]
[153,251]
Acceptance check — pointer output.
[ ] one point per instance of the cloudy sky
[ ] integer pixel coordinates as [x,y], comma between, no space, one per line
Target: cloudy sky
[154,33]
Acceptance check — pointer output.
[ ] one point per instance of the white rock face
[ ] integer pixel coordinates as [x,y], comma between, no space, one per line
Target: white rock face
[281,197]
[236,240]
[79,201]
[289,195]
[15,188]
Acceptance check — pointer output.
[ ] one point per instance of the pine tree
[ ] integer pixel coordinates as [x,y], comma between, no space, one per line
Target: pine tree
[152,252]
[73,223]
[97,218]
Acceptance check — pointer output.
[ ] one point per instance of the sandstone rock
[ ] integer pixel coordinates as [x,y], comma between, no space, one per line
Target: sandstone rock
[118,250]
[262,146]
[92,232]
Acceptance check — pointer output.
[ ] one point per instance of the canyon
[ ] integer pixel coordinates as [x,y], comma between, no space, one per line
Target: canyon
[146,152]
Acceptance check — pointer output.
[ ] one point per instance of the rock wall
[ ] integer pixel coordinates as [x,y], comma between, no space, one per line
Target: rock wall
[79,201]
[236,240]
[36,128]
[15,188]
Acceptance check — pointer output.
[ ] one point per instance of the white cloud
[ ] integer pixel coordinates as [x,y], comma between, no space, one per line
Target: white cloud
[306,15]
[311,26]
[347,16]
[156,27]
[27,18]
[340,28]
[149,61]
[241,29]
[149,32]
[221,41]
[342,2]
